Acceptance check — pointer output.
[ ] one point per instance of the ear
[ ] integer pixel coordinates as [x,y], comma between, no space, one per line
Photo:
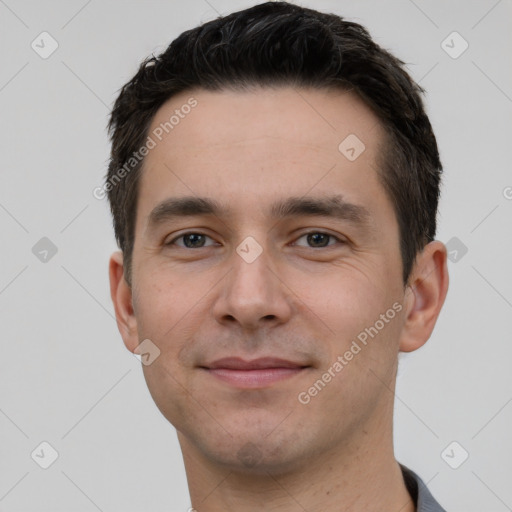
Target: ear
[424,296]
[121,294]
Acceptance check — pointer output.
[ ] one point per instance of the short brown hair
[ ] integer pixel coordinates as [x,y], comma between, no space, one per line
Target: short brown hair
[281,44]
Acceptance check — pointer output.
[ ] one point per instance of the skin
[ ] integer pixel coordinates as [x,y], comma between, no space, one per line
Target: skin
[296,301]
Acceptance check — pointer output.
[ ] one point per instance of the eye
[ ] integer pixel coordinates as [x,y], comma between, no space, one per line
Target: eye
[318,239]
[191,240]
[195,240]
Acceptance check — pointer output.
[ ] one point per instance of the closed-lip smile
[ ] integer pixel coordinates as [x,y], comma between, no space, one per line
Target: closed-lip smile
[255,373]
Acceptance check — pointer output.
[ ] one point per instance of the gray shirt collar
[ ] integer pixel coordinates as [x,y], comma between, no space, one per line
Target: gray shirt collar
[419,492]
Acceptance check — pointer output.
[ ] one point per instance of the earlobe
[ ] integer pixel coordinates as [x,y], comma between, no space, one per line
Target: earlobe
[425,296]
[121,295]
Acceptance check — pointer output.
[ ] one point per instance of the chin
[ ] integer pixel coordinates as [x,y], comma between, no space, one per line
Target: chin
[257,458]
[253,453]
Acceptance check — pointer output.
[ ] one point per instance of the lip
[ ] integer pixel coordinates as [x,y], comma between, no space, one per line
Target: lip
[237,363]
[253,374]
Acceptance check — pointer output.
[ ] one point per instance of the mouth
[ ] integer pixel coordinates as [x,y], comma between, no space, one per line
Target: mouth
[254,374]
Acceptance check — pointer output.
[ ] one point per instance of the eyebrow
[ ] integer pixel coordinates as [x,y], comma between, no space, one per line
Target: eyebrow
[331,206]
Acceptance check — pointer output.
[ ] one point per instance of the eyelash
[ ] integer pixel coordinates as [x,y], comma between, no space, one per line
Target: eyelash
[339,240]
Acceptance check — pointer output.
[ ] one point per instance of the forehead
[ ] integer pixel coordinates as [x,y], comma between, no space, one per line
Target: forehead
[262,143]
[307,117]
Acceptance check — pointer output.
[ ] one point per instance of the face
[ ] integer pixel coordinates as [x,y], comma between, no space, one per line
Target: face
[290,259]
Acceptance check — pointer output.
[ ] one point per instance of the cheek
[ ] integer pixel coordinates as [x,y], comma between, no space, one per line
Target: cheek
[347,306]
[169,391]
[163,304]
[345,298]
[168,312]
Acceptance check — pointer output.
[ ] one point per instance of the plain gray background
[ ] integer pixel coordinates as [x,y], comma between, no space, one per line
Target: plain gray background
[66,377]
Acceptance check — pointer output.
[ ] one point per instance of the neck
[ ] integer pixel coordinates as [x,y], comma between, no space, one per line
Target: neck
[361,476]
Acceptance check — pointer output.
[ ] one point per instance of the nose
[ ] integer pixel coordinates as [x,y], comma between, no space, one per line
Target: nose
[253,295]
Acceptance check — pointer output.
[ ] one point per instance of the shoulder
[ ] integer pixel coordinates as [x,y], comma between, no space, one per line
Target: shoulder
[424,500]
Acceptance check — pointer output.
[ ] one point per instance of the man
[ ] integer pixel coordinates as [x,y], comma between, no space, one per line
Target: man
[274,183]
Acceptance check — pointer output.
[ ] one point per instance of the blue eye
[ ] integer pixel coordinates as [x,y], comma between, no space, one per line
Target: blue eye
[195,240]
[192,240]
[319,239]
